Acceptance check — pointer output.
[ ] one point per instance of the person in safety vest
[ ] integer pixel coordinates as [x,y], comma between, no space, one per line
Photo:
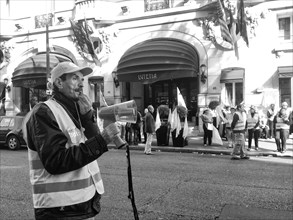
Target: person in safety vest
[253,128]
[238,129]
[64,144]
[282,123]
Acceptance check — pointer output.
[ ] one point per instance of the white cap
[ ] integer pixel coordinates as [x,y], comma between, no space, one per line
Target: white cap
[68,67]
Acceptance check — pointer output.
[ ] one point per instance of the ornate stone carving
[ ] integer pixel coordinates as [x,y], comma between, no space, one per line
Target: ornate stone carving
[5,50]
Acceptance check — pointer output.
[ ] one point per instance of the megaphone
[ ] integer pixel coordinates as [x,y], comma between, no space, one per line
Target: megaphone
[121,112]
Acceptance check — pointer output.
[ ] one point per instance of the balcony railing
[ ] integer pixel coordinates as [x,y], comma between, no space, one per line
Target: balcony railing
[98,10]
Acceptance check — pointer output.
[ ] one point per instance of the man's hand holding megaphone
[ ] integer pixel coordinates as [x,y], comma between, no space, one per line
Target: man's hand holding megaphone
[111,130]
[111,133]
[121,112]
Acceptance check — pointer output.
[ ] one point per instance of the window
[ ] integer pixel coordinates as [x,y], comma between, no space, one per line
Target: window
[11,125]
[233,79]
[5,122]
[238,93]
[285,90]
[284,28]
[233,93]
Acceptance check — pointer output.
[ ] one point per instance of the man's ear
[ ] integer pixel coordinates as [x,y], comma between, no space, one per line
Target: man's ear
[59,83]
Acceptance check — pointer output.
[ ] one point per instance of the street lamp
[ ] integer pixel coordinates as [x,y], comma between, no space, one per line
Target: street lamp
[125,10]
[115,79]
[203,77]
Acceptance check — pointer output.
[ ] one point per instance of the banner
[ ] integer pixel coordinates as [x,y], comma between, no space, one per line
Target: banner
[223,23]
[83,39]
[241,19]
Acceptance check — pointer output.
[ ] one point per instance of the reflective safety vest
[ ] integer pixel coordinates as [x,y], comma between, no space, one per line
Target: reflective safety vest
[69,188]
[280,124]
[240,124]
[229,117]
[251,121]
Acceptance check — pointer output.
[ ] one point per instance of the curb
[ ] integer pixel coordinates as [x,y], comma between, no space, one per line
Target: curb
[199,151]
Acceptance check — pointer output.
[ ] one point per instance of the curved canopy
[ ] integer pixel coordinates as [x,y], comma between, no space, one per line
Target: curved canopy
[95,79]
[157,60]
[32,72]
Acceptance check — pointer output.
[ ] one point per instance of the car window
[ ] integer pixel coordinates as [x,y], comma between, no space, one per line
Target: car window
[5,122]
[12,123]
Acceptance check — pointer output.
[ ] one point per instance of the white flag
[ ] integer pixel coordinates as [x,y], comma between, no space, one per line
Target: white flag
[178,125]
[100,122]
[185,129]
[103,102]
[180,99]
[158,121]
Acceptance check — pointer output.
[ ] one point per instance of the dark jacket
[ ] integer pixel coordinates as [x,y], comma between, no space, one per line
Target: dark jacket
[149,123]
[45,137]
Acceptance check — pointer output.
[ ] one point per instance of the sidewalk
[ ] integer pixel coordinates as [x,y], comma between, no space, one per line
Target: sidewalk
[267,147]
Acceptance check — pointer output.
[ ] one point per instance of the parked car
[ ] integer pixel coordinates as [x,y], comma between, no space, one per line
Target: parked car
[11,131]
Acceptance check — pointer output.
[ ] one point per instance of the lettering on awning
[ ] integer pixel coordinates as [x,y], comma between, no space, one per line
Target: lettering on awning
[146,76]
[29,83]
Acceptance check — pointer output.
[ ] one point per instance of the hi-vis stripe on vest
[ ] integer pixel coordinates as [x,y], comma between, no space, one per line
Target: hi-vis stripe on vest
[69,188]
[281,124]
[251,121]
[240,124]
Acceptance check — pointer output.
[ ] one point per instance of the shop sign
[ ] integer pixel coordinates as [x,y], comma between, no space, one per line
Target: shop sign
[42,20]
[29,83]
[146,76]
[153,5]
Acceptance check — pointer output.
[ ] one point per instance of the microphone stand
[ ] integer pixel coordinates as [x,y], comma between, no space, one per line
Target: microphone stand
[119,142]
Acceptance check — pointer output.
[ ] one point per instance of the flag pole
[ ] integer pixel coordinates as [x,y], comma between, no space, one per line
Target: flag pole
[47,52]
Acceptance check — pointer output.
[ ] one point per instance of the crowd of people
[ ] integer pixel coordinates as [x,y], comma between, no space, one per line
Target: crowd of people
[236,124]
[64,142]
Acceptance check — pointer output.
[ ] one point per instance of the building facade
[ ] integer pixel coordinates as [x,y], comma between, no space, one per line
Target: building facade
[146,49]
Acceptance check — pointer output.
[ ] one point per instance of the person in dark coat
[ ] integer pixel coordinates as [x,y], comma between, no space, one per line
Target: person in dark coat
[271,115]
[207,125]
[143,126]
[136,129]
[150,129]
[64,144]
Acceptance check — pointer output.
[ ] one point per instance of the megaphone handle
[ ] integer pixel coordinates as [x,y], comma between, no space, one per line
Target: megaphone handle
[118,141]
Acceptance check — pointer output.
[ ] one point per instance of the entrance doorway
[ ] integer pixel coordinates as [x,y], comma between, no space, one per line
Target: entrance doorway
[165,93]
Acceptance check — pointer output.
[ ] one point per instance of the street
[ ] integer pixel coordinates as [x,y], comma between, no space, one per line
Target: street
[166,185]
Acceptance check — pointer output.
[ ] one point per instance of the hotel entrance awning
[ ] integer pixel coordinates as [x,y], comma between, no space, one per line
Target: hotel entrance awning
[232,74]
[157,60]
[31,73]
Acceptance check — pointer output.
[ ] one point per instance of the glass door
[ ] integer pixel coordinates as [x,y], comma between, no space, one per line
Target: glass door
[165,93]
